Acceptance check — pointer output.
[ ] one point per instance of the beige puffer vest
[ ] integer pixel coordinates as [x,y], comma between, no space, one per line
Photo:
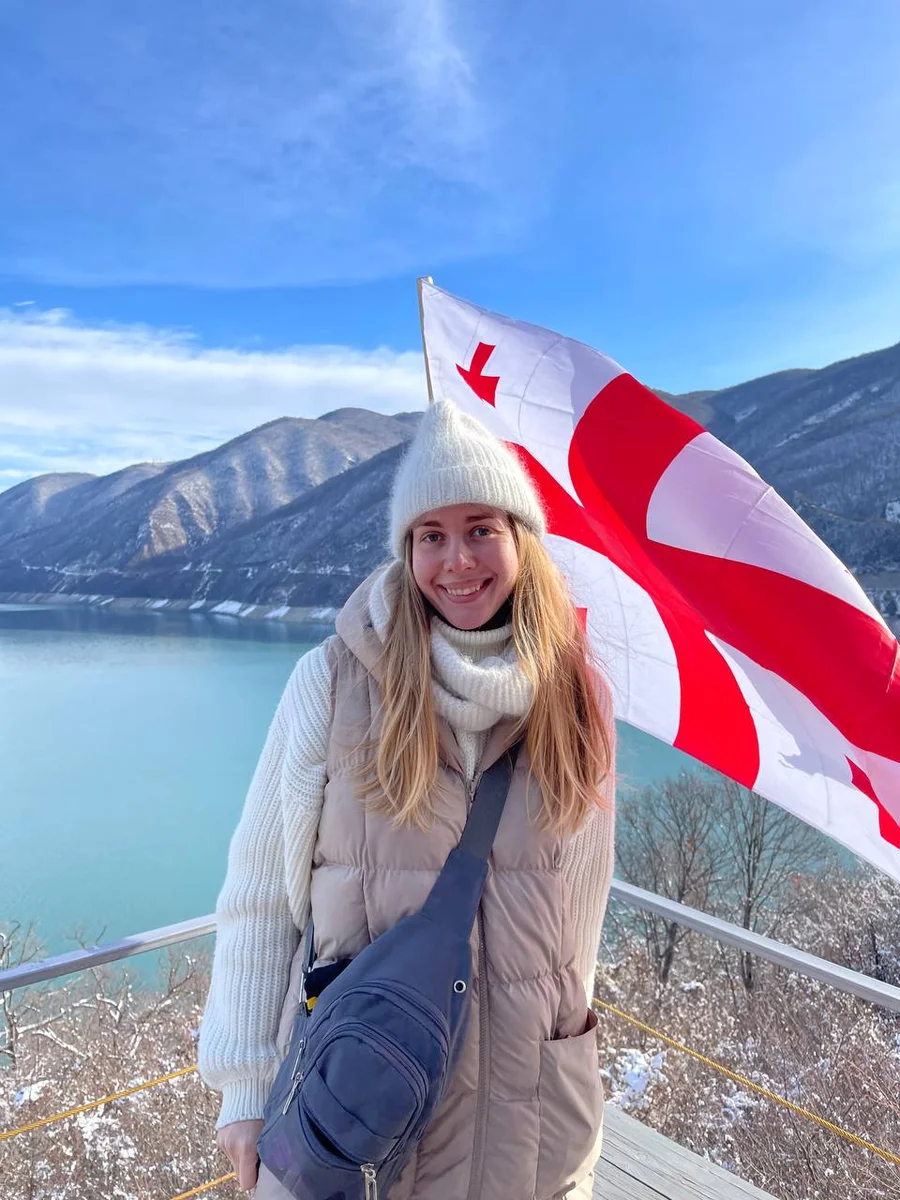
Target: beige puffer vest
[522,1116]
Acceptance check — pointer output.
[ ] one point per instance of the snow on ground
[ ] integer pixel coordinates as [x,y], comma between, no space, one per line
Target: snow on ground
[738,1104]
[103,1136]
[277,613]
[32,1092]
[230,608]
[632,1077]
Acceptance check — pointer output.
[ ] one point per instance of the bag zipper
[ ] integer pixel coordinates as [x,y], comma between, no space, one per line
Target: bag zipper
[371,1180]
[296,1079]
[391,993]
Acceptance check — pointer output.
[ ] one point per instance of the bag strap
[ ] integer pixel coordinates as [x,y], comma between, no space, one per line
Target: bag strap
[478,834]
[488,804]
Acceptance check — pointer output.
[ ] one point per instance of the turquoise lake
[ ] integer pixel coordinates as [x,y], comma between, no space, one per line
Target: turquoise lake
[127,742]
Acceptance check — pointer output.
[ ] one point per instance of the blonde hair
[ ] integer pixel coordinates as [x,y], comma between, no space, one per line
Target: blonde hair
[566,735]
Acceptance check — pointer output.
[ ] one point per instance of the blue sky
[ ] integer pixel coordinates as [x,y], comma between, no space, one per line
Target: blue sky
[211,215]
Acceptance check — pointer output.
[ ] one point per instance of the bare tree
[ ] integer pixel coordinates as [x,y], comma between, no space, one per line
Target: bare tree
[666,844]
[850,919]
[89,1036]
[827,1051]
[18,946]
[762,850]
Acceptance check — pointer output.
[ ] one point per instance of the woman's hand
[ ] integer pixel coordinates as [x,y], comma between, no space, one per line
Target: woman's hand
[238,1141]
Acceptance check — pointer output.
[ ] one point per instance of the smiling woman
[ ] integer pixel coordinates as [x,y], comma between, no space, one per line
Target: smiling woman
[462,652]
[465,562]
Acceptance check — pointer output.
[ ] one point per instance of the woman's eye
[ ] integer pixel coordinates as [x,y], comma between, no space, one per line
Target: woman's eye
[481,529]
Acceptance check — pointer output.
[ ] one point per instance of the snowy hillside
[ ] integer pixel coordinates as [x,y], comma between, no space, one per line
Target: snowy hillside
[295,512]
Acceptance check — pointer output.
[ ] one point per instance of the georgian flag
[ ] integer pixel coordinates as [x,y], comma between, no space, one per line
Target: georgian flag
[727,628]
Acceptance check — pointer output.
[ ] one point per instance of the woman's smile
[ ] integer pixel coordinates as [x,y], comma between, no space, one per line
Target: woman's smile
[463,592]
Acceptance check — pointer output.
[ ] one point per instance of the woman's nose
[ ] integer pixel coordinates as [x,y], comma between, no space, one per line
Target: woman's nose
[459,556]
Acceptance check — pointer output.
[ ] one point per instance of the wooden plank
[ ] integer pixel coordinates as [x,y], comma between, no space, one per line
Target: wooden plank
[677,1174]
[663,1167]
[611,1183]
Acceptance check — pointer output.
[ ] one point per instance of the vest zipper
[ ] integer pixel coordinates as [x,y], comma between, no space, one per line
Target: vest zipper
[484,1050]
[371,1181]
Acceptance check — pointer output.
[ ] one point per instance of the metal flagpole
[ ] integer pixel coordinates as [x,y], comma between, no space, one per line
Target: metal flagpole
[420,282]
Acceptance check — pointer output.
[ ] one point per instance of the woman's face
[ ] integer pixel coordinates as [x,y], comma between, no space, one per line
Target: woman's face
[464,560]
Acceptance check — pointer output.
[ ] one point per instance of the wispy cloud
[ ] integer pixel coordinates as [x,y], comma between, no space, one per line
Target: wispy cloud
[675,173]
[248,145]
[75,397]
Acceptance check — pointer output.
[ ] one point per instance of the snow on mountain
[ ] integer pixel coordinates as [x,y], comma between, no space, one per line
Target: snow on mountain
[117,522]
[294,513]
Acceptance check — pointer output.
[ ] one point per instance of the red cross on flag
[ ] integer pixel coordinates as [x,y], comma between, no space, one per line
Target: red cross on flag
[727,628]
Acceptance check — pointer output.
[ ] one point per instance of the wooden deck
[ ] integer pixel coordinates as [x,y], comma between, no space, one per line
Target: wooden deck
[640,1164]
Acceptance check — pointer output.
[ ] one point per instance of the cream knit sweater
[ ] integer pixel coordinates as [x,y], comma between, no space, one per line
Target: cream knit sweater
[264,903]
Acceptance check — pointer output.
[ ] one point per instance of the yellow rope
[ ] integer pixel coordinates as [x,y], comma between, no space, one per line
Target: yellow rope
[73,1112]
[141,1087]
[204,1187]
[754,1087]
[854,1138]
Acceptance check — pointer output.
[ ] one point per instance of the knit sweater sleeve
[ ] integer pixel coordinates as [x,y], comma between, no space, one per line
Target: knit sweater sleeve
[264,901]
[588,867]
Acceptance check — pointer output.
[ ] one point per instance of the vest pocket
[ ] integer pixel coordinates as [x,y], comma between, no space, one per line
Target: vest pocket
[570,1098]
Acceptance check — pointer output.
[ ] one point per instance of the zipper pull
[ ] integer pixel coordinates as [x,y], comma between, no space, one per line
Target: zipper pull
[368,1170]
[296,1079]
[292,1093]
[297,1059]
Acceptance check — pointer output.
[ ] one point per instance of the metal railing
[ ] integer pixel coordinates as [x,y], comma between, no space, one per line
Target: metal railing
[864,987]
[30,974]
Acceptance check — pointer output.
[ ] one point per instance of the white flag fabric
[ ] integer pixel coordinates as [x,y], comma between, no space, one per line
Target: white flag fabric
[726,626]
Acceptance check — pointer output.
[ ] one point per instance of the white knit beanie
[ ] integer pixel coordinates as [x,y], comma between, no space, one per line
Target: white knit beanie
[454,459]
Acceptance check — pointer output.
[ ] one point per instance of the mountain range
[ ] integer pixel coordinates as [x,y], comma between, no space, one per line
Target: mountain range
[294,512]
